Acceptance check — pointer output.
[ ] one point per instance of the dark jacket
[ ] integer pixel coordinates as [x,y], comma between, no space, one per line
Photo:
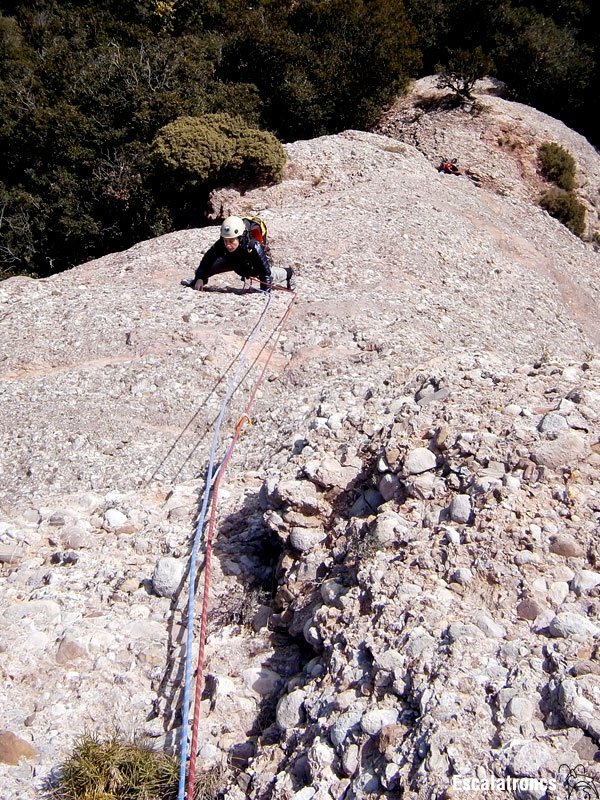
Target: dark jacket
[249,260]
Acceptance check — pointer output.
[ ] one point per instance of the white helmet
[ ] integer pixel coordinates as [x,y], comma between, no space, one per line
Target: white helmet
[232,227]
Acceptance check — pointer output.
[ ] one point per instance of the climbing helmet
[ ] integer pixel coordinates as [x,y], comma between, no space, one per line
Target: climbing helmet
[232,227]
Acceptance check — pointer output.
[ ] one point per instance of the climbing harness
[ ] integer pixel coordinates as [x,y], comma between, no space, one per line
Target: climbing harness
[187,772]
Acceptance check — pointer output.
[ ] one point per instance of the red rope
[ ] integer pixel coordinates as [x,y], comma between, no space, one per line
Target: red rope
[245,417]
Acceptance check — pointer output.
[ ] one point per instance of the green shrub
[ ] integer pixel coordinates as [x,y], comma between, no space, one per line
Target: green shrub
[191,151]
[214,149]
[259,158]
[566,208]
[557,165]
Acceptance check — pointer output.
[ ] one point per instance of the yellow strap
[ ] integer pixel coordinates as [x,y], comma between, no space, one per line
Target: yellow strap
[240,424]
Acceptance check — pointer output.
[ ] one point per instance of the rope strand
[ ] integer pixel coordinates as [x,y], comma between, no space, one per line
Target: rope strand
[194,555]
[207,562]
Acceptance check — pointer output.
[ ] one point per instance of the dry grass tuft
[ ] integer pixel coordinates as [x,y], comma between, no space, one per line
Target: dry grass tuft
[114,768]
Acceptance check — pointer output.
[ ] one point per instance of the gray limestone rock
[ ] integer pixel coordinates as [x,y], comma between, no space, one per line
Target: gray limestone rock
[578,701]
[290,709]
[519,708]
[567,625]
[113,376]
[389,527]
[421,459]
[489,626]
[584,581]
[345,723]
[115,518]
[304,539]
[301,495]
[553,424]
[528,757]
[462,575]
[461,509]
[565,451]
[388,486]
[375,719]
[168,576]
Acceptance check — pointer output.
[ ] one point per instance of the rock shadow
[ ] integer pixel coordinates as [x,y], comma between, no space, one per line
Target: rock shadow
[249,555]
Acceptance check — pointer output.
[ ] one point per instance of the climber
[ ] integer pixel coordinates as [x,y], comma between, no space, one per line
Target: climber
[449,166]
[237,251]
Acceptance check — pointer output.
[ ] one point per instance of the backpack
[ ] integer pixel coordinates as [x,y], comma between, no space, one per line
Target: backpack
[257,229]
[450,166]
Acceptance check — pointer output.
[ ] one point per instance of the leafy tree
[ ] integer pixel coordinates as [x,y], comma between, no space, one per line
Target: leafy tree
[463,70]
[540,60]
[546,51]
[334,65]
[565,13]
[447,26]
[20,230]
[82,95]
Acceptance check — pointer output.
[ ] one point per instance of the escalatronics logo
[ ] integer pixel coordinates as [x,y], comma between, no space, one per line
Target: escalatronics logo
[571,783]
[491,783]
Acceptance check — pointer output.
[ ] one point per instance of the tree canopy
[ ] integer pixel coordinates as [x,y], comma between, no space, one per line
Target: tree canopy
[93,95]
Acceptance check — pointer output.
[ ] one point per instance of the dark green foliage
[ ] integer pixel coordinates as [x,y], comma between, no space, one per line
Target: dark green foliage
[566,208]
[446,27]
[20,231]
[192,151]
[557,165]
[216,149]
[541,60]
[82,95]
[86,87]
[324,65]
[259,158]
[463,69]
[547,51]
[193,155]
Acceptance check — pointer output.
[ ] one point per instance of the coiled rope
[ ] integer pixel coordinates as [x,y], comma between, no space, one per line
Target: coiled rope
[187,776]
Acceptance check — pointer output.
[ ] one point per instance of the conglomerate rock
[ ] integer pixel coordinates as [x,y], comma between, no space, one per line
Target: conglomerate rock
[406,570]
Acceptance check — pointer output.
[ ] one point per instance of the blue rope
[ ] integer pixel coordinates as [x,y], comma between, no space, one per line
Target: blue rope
[231,387]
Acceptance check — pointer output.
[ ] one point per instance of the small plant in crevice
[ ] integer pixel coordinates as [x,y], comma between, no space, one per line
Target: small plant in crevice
[394,148]
[544,358]
[266,714]
[557,165]
[362,544]
[239,607]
